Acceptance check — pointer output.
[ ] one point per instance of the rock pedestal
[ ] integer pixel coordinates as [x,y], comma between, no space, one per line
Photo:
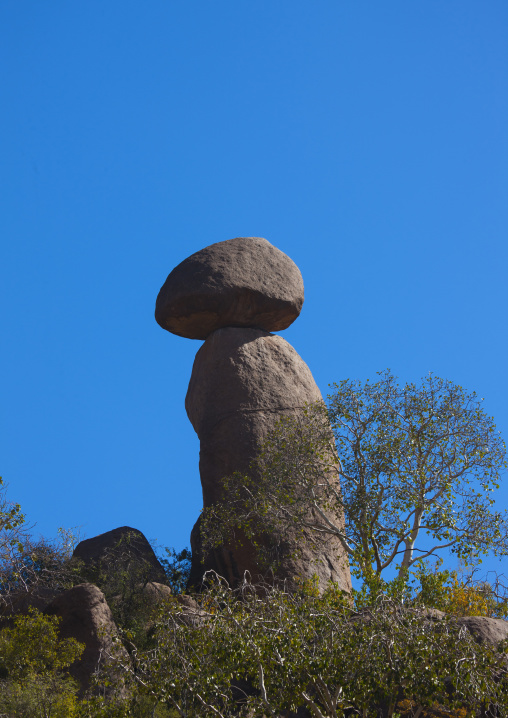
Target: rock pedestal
[242,382]
[233,294]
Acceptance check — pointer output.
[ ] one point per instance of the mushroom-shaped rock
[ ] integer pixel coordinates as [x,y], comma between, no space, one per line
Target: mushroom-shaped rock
[242,282]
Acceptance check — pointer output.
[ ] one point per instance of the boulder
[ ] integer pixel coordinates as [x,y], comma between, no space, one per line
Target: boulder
[192,614]
[20,602]
[156,593]
[490,631]
[122,549]
[242,282]
[243,381]
[86,616]
[485,630]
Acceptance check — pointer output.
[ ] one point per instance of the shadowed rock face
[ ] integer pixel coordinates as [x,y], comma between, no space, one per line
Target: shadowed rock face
[243,282]
[242,382]
[121,549]
[86,616]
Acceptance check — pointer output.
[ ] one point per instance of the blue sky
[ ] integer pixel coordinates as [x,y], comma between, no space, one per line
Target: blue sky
[367,140]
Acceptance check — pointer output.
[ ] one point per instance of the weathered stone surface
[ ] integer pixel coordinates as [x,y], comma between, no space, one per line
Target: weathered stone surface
[86,616]
[192,614]
[22,601]
[121,549]
[242,382]
[485,630]
[156,593]
[434,614]
[242,282]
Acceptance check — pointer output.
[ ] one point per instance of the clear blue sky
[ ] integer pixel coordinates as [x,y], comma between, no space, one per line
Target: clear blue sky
[367,140]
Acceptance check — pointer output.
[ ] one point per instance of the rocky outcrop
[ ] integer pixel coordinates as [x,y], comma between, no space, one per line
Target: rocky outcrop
[157,595]
[243,282]
[123,549]
[20,603]
[192,614]
[85,615]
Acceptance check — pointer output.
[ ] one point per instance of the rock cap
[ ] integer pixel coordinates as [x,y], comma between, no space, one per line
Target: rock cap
[242,282]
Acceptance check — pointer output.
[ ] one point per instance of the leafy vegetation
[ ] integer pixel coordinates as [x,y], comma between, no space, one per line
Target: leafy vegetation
[408,473]
[461,594]
[176,565]
[31,569]
[413,462]
[33,663]
[261,651]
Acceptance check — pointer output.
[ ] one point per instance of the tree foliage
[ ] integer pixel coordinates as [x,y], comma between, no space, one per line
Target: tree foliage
[461,593]
[260,651]
[32,568]
[12,528]
[417,465]
[176,565]
[34,663]
[399,474]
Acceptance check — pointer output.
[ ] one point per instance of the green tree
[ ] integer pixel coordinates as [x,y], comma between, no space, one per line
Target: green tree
[34,663]
[462,593]
[176,565]
[417,466]
[12,524]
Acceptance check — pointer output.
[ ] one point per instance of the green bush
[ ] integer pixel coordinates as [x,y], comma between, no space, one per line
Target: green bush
[34,663]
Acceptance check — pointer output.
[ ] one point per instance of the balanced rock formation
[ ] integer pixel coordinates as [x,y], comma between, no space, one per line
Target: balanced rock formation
[243,282]
[86,616]
[233,294]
